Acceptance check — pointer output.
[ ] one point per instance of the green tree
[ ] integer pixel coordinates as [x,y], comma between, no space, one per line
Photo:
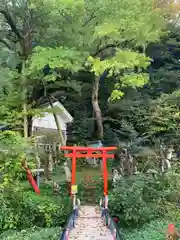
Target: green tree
[22,24]
[99,37]
[18,26]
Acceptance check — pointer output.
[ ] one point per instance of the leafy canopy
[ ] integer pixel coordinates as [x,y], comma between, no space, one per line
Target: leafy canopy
[97,36]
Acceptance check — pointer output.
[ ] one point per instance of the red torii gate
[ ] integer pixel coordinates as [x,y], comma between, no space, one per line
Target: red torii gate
[84,152]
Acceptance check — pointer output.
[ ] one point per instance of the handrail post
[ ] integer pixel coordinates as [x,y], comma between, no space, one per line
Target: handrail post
[109,222]
[106,201]
[114,234]
[74,201]
[67,234]
[73,176]
[74,209]
[105,176]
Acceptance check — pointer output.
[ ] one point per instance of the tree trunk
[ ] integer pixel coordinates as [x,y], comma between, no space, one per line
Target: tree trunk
[169,154]
[25,120]
[38,163]
[24,100]
[50,166]
[96,108]
[61,138]
[166,156]
[29,126]
[46,168]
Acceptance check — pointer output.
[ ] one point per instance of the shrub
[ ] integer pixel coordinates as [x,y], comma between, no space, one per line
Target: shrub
[170,185]
[32,234]
[8,219]
[139,199]
[12,152]
[135,200]
[45,211]
[24,210]
[10,157]
[154,230]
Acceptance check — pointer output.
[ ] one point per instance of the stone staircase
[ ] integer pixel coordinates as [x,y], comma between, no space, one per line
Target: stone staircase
[90,226]
[89,196]
[89,193]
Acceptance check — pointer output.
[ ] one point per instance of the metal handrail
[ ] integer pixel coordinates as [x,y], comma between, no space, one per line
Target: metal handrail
[69,225]
[109,222]
[113,227]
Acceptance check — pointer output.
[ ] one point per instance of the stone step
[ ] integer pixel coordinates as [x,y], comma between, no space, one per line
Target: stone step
[89,226]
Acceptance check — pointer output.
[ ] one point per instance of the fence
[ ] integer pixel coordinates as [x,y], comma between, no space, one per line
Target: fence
[69,225]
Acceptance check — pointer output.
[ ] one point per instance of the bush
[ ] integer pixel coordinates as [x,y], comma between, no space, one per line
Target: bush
[12,152]
[170,185]
[11,148]
[139,199]
[25,210]
[44,211]
[8,218]
[154,230]
[136,200]
[32,234]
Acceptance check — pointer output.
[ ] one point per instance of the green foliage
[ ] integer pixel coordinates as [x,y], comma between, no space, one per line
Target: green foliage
[72,32]
[94,32]
[153,230]
[124,59]
[62,58]
[134,200]
[92,37]
[45,212]
[170,185]
[32,233]
[8,219]
[12,145]
[153,110]
[165,115]
[25,210]
[140,199]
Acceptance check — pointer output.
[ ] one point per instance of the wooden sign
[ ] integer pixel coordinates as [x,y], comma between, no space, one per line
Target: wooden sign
[74,189]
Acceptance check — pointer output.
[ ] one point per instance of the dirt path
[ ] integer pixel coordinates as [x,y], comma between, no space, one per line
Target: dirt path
[89,226]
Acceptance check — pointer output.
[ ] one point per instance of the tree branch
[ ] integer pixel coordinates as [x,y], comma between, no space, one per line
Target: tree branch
[89,19]
[113,45]
[63,14]
[101,49]
[11,24]
[5,43]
